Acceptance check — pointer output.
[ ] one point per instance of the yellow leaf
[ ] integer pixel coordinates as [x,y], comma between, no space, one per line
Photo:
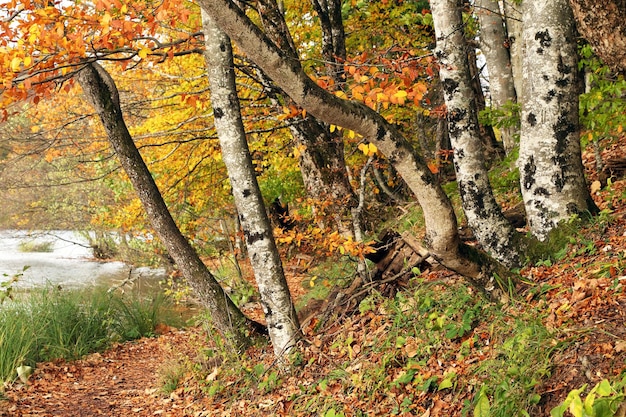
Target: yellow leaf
[124,9]
[340,94]
[143,52]
[332,128]
[351,134]
[620,128]
[106,20]
[27,61]
[15,64]
[298,150]
[368,149]
[400,94]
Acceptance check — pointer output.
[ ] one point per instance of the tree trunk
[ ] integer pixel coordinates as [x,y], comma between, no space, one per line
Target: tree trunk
[322,162]
[441,226]
[483,213]
[280,314]
[603,24]
[99,88]
[492,43]
[513,19]
[333,37]
[551,171]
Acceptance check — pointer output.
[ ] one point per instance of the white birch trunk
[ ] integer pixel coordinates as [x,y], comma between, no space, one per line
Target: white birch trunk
[513,18]
[551,171]
[280,315]
[483,213]
[492,43]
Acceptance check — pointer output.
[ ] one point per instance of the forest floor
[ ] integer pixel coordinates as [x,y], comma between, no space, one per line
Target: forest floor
[581,296]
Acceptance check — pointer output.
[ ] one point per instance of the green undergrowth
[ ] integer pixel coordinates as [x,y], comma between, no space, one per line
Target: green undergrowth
[433,341]
[572,237]
[53,323]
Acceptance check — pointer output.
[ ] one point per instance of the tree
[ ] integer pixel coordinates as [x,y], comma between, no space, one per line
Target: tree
[513,20]
[439,217]
[602,25]
[551,172]
[493,41]
[483,213]
[282,322]
[99,88]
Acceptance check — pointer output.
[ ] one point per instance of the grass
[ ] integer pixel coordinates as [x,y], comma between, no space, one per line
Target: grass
[52,323]
[35,246]
[171,374]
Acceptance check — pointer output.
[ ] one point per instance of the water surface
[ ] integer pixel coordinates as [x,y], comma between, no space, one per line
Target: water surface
[70,263]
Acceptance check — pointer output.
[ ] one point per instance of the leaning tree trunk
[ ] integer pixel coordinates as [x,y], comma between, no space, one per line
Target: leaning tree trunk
[280,314]
[99,88]
[551,171]
[603,24]
[492,43]
[483,213]
[441,226]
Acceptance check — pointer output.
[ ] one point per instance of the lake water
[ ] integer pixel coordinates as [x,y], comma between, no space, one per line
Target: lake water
[70,264]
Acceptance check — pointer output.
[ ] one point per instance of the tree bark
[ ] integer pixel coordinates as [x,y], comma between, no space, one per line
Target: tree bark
[492,43]
[483,213]
[280,314]
[100,90]
[551,171]
[441,226]
[513,19]
[603,25]
[333,37]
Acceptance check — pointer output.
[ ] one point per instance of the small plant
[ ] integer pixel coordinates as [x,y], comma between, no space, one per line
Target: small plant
[170,376]
[604,400]
[6,287]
